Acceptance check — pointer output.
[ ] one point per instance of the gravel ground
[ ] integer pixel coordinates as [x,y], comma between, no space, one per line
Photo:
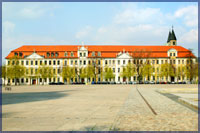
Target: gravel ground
[94,107]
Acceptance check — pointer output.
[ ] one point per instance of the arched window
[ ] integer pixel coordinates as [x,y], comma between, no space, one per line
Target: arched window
[72,54]
[52,54]
[48,54]
[66,54]
[56,54]
[20,54]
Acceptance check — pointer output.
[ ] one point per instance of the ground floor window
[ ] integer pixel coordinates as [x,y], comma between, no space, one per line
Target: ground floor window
[59,79]
[26,80]
[118,78]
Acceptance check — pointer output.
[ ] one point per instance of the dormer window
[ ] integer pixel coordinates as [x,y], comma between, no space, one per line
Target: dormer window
[99,53]
[52,54]
[20,54]
[72,54]
[93,53]
[56,54]
[48,54]
[16,54]
[66,54]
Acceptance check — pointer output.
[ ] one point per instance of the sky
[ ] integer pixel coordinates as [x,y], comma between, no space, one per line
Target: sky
[104,23]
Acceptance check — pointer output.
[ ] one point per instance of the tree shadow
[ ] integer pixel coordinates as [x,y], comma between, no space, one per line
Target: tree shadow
[15,98]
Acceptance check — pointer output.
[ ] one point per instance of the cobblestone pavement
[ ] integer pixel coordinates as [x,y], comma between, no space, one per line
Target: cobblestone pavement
[95,107]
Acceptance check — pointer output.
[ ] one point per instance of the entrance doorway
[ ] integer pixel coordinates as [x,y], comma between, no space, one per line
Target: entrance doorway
[172,79]
[124,79]
[34,81]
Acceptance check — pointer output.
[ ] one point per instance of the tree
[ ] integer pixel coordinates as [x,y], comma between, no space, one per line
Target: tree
[3,73]
[191,66]
[44,72]
[167,70]
[68,73]
[139,55]
[181,71]
[15,70]
[108,74]
[90,71]
[147,70]
[128,71]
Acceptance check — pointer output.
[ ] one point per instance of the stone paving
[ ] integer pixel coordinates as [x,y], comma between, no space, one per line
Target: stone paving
[94,107]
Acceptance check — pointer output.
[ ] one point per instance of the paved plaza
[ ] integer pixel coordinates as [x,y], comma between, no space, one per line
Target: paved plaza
[97,108]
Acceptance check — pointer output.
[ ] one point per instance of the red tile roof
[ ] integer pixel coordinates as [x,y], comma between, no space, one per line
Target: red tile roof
[107,51]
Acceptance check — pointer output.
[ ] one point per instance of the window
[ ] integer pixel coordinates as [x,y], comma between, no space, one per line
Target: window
[89,62]
[65,54]
[174,61]
[58,70]
[161,61]
[113,69]
[174,43]
[80,62]
[22,62]
[54,62]
[141,62]
[109,62]
[165,61]
[106,62]
[49,62]
[65,62]
[118,62]
[31,71]
[118,70]
[118,78]
[36,62]
[8,62]
[36,70]
[124,61]
[84,62]
[84,54]
[72,54]
[48,54]
[75,62]
[153,69]
[16,54]
[20,54]
[56,54]
[26,71]
[40,62]
[113,62]
[26,80]
[71,62]
[45,62]
[157,61]
[99,62]
[52,54]
[26,62]
[182,61]
[133,61]
[178,61]
[174,54]
[93,53]
[80,54]
[153,61]
[99,53]
[170,54]
[157,69]
[54,71]
[31,62]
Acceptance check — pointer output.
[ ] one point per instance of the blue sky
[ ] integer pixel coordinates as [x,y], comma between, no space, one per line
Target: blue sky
[112,23]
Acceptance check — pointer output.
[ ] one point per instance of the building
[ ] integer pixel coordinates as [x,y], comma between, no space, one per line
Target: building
[113,56]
